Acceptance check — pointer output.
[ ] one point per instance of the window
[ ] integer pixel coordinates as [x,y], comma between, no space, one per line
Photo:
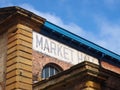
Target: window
[50,70]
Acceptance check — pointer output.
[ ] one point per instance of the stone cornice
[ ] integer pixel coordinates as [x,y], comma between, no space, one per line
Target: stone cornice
[12,15]
[83,71]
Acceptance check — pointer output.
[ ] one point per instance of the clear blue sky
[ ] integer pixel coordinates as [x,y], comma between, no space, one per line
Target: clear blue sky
[96,20]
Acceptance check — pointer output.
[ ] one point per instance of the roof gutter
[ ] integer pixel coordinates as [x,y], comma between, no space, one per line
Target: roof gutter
[81,40]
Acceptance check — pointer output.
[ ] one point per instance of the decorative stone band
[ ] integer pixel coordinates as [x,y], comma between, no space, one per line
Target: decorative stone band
[60,51]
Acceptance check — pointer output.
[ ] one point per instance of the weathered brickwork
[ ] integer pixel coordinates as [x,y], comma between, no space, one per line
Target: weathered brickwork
[112,83]
[110,67]
[40,60]
[3,51]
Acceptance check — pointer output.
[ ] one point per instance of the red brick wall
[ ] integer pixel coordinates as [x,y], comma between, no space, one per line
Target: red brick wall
[3,55]
[110,67]
[40,60]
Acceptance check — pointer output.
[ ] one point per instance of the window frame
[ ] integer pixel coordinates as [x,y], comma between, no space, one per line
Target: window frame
[53,69]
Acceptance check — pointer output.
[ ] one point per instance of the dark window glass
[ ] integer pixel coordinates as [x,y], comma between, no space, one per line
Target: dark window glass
[46,72]
[52,71]
[49,70]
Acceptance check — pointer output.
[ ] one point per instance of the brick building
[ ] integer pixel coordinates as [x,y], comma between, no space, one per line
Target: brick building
[38,55]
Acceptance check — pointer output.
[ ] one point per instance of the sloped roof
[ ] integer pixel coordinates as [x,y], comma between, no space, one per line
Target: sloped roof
[104,52]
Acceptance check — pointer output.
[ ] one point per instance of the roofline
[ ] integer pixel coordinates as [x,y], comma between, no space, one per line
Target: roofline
[79,39]
[22,10]
[19,15]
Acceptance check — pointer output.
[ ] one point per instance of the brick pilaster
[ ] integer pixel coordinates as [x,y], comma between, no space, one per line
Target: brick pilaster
[19,58]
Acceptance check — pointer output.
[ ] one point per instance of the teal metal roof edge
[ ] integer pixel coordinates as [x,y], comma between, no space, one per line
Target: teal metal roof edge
[81,40]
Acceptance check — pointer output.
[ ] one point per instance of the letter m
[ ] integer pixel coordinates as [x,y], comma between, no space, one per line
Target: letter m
[39,42]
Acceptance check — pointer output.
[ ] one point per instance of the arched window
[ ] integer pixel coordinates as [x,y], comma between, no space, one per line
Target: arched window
[50,70]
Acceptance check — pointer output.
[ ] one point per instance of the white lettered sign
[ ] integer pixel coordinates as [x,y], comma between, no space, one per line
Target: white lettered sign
[60,51]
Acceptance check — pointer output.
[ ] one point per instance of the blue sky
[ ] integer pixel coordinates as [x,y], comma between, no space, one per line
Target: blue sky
[95,20]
